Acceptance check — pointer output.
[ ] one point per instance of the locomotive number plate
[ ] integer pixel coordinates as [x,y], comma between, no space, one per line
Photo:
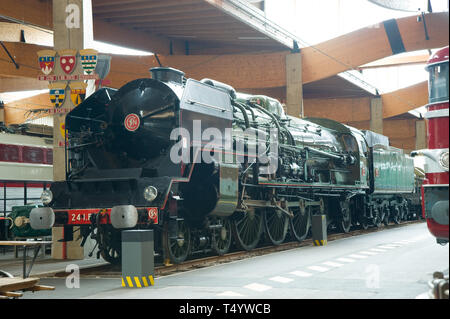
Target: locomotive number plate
[81,216]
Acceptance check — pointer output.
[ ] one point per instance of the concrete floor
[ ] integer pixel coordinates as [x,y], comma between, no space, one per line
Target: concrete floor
[43,264]
[391,264]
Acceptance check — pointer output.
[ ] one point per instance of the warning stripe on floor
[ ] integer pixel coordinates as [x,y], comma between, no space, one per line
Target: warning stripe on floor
[137,282]
[320,242]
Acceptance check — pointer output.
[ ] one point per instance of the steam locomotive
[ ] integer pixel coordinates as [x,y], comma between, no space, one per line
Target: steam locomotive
[202,165]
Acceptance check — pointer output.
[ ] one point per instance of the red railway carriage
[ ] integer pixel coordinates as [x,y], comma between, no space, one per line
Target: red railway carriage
[435,188]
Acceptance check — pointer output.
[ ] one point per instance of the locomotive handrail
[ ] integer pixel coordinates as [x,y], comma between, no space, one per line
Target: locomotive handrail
[81,145]
[161,109]
[85,118]
[207,105]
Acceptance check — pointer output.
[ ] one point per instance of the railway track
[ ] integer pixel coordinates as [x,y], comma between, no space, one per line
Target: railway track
[113,271]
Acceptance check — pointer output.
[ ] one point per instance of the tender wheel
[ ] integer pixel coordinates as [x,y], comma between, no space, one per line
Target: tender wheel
[276,225]
[345,217]
[222,237]
[109,244]
[300,223]
[247,229]
[179,247]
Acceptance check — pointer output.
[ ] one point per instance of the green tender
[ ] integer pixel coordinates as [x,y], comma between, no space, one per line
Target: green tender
[393,170]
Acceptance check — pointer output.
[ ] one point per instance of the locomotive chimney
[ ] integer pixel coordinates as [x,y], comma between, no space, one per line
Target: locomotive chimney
[164,74]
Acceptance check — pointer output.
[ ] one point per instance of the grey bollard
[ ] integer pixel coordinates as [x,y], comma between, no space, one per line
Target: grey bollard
[319,230]
[137,258]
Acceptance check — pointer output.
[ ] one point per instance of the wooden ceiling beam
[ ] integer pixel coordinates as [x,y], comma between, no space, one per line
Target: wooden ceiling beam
[182,22]
[107,3]
[125,12]
[25,56]
[14,84]
[229,34]
[351,50]
[396,61]
[404,100]
[137,5]
[173,17]
[13,32]
[19,111]
[36,12]
[217,27]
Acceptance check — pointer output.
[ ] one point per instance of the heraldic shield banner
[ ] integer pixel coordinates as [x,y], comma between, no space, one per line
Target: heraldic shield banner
[57,93]
[46,61]
[77,92]
[67,60]
[88,60]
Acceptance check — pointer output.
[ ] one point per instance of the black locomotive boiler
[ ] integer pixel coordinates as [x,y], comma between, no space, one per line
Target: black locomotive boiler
[206,168]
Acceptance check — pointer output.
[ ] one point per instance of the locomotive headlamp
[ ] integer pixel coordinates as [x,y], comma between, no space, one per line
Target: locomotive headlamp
[443,160]
[150,193]
[46,196]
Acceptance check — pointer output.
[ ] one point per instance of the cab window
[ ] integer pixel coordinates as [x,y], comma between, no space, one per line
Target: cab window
[438,84]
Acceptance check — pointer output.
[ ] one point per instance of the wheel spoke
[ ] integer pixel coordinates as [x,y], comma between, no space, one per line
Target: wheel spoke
[300,224]
[276,226]
[247,230]
[109,244]
[178,253]
[222,245]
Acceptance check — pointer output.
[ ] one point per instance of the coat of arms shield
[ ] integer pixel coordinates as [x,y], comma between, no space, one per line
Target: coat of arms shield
[77,92]
[67,60]
[57,93]
[88,60]
[46,60]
